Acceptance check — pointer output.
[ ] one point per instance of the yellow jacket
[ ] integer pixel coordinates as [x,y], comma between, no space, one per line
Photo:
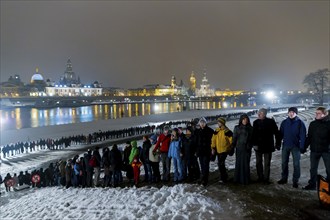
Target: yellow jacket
[222,140]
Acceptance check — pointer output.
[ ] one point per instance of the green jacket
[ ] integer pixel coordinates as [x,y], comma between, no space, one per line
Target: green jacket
[134,152]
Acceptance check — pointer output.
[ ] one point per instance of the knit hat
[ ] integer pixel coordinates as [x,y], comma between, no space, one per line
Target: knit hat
[293,109]
[222,120]
[263,110]
[202,119]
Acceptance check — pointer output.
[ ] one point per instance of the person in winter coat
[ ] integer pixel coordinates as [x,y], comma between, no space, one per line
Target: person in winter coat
[203,141]
[82,176]
[145,159]
[190,162]
[154,159]
[68,173]
[175,154]
[27,178]
[97,156]
[15,178]
[163,144]
[6,179]
[221,146]
[21,178]
[242,142]
[318,138]
[106,166]
[76,173]
[62,172]
[264,131]
[89,169]
[136,164]
[115,164]
[293,133]
[134,152]
[126,165]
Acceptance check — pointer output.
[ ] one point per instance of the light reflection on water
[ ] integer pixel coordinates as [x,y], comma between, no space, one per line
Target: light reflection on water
[18,118]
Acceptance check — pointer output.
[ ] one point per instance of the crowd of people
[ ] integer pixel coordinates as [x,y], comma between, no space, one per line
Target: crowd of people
[190,150]
[21,147]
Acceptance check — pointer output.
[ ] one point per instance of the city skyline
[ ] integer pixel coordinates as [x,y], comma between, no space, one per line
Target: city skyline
[241,45]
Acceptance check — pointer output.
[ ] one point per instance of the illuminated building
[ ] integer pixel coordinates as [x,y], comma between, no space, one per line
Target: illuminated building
[192,80]
[69,85]
[205,90]
[69,77]
[37,77]
[228,92]
[37,86]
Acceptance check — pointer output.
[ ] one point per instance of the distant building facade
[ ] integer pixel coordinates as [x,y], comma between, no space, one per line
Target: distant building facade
[205,90]
[70,85]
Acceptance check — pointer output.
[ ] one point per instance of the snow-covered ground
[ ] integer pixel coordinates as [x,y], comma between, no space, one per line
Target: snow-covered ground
[182,201]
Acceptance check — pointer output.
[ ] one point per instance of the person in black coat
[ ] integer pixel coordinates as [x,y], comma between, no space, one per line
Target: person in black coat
[145,159]
[242,142]
[264,131]
[203,141]
[21,178]
[97,167]
[190,162]
[115,164]
[126,166]
[318,138]
[89,169]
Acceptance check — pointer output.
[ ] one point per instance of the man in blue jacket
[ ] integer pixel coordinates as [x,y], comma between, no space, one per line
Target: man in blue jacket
[293,134]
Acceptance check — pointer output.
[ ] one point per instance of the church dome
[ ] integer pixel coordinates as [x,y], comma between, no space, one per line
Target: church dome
[37,77]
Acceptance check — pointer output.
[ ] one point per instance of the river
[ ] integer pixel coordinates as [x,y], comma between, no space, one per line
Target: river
[18,118]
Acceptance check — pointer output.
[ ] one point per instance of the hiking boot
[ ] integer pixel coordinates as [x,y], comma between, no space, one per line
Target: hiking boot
[295,185]
[282,181]
[309,187]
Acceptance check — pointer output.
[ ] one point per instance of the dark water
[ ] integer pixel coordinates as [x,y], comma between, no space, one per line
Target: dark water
[18,118]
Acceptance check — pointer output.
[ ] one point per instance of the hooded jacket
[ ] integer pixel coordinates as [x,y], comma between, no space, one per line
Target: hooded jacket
[134,152]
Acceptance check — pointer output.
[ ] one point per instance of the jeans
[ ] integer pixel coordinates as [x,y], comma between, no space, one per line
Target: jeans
[166,161]
[177,163]
[205,168]
[296,163]
[315,159]
[148,172]
[263,169]
[116,177]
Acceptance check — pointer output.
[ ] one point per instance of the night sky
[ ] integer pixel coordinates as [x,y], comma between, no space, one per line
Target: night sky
[241,44]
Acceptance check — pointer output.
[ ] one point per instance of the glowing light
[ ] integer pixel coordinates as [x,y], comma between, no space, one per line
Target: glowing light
[225,104]
[270,95]
[156,107]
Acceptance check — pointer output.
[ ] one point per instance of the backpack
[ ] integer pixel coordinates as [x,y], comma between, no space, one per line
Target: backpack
[323,191]
[92,161]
